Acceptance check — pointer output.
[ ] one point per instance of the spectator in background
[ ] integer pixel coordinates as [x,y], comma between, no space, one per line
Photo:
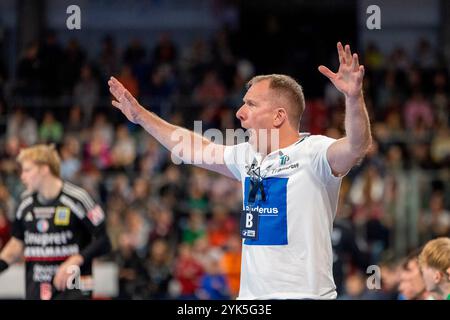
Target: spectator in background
[435,221]
[213,283]
[434,262]
[159,269]
[86,93]
[140,194]
[123,152]
[355,287]
[103,127]
[108,57]
[138,228]
[5,227]
[195,227]
[74,57]
[51,58]
[418,108]
[134,54]
[440,145]
[74,124]
[412,286]
[210,91]
[347,253]
[220,227]
[165,51]
[29,71]
[231,264]
[97,153]
[188,272]
[133,277]
[22,126]
[163,225]
[50,130]
[70,158]
[390,278]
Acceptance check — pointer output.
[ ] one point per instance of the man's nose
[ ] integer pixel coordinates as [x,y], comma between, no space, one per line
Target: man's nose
[240,113]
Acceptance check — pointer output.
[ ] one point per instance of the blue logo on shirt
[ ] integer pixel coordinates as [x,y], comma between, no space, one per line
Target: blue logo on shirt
[272,227]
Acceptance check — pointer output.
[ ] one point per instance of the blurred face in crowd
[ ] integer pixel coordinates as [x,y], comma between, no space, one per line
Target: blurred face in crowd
[411,282]
[390,277]
[32,175]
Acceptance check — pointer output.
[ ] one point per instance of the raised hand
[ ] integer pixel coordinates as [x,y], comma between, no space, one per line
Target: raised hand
[126,103]
[349,77]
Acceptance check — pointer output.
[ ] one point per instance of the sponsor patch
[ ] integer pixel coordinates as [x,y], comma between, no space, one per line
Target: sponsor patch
[62,216]
[43,212]
[42,226]
[96,215]
[46,291]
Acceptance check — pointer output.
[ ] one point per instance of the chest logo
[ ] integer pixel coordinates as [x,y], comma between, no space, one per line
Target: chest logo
[284,159]
[62,216]
[42,226]
[29,217]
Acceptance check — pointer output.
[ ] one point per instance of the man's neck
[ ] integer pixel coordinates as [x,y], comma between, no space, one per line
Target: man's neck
[288,140]
[50,188]
[444,289]
[285,139]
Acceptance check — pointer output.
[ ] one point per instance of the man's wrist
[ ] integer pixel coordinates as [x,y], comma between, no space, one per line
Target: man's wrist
[77,259]
[3,265]
[354,98]
[141,115]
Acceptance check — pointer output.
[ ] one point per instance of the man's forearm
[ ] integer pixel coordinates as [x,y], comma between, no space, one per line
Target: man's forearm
[12,251]
[100,245]
[188,143]
[357,125]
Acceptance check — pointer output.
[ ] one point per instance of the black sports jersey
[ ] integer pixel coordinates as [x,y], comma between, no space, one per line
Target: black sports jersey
[54,231]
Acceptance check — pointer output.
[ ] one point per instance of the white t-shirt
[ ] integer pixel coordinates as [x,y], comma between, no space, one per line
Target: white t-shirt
[292,257]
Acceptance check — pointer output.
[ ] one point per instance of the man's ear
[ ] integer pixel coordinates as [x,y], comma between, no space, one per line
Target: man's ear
[438,275]
[280,117]
[45,169]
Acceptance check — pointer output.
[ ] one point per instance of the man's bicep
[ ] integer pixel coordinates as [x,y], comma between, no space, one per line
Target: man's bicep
[340,157]
[214,160]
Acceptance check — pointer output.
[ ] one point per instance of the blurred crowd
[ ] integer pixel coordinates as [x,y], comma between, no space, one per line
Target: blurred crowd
[174,228]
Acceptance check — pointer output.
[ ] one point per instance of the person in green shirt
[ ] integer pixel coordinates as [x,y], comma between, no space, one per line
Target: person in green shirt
[435,263]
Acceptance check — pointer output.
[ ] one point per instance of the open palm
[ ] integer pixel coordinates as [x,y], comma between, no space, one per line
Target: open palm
[349,77]
[125,102]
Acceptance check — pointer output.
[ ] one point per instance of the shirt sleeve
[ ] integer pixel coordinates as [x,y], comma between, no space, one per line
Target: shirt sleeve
[94,220]
[318,158]
[235,158]
[18,228]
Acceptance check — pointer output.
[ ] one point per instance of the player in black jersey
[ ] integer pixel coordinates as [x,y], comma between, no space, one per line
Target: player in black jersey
[58,229]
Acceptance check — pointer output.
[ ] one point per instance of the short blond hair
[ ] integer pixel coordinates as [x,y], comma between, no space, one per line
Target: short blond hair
[291,89]
[42,154]
[436,254]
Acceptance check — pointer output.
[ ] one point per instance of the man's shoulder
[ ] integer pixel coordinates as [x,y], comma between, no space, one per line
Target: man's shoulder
[318,138]
[77,194]
[26,195]
[26,201]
